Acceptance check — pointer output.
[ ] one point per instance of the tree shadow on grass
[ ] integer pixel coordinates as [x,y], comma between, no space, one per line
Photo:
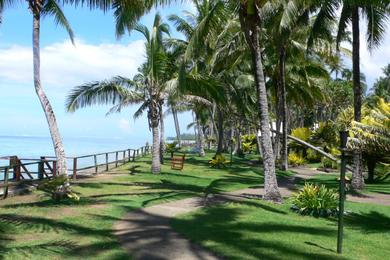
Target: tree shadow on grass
[220,228]
[9,223]
[371,222]
[50,203]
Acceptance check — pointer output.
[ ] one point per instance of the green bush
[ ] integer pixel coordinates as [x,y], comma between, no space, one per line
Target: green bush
[219,161]
[325,136]
[315,200]
[312,156]
[328,163]
[58,188]
[172,148]
[295,159]
[302,133]
[248,143]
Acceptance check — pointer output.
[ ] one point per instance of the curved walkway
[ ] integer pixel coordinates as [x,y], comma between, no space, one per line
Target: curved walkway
[146,233]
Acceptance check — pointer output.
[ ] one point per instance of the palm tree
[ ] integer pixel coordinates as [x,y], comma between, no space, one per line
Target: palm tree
[250,19]
[40,8]
[376,12]
[147,87]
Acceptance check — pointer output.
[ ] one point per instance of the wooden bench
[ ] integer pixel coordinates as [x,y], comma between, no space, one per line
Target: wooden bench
[178,162]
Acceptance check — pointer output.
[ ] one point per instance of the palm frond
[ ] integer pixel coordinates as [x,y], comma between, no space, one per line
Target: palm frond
[52,8]
[108,92]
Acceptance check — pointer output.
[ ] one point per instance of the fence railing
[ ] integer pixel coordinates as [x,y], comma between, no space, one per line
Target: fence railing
[22,170]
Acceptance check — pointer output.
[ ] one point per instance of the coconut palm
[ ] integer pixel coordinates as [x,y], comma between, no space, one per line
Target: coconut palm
[376,13]
[147,87]
[40,9]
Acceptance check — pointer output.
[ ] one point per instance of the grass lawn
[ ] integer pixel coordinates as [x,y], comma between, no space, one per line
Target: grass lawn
[35,227]
[259,230]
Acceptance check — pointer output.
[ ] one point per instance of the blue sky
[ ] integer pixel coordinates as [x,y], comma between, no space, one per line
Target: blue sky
[97,55]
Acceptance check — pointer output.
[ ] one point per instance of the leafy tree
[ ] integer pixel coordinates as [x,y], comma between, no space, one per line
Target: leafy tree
[147,87]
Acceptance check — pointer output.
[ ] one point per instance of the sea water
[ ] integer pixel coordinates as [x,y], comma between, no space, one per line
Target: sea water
[33,147]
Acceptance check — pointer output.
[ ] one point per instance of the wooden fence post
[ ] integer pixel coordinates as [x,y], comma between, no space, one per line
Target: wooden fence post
[6,173]
[106,162]
[75,168]
[142,151]
[116,159]
[95,162]
[41,169]
[128,150]
[124,157]
[15,164]
[133,155]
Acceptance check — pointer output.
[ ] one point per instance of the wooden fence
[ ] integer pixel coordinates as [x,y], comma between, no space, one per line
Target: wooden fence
[22,170]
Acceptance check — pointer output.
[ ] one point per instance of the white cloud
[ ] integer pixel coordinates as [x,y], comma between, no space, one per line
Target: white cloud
[371,63]
[124,125]
[65,65]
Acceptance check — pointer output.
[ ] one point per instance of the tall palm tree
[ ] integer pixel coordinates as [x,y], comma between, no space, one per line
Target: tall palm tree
[251,19]
[376,13]
[39,9]
[147,87]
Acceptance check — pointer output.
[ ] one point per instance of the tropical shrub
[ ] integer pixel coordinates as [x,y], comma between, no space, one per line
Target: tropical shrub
[372,136]
[315,200]
[302,133]
[58,188]
[295,159]
[219,161]
[172,148]
[312,156]
[248,143]
[325,136]
[328,163]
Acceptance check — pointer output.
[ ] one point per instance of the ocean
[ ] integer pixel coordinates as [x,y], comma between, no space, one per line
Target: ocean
[34,147]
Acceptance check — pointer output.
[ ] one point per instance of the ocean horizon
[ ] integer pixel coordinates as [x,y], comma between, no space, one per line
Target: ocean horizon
[35,146]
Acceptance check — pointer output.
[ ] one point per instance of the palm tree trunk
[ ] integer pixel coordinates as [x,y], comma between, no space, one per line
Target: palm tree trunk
[357,175]
[177,126]
[371,163]
[154,118]
[47,108]
[200,138]
[250,24]
[156,163]
[283,109]
[212,126]
[220,131]
[162,135]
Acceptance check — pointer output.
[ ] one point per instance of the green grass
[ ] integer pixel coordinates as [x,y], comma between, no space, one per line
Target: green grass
[35,227]
[259,230]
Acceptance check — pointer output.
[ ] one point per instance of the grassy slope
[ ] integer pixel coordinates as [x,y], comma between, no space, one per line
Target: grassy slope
[35,227]
[259,230]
